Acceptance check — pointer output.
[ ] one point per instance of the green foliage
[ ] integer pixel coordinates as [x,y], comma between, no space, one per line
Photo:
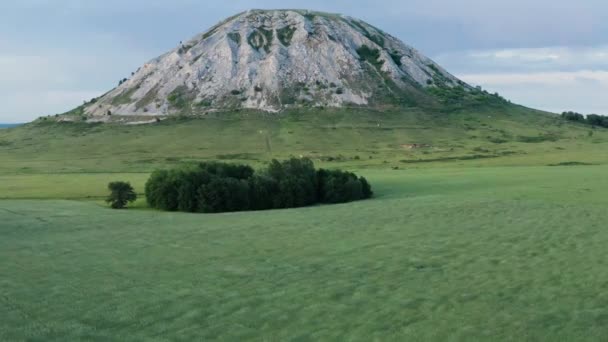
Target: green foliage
[336,186]
[235,37]
[538,139]
[590,119]
[121,193]
[256,138]
[370,55]
[221,187]
[124,97]
[78,111]
[285,34]
[396,57]
[263,191]
[214,29]
[223,194]
[180,98]
[357,25]
[570,163]
[459,97]
[379,40]
[162,190]
[204,103]
[573,116]
[261,39]
[310,16]
[184,49]
[597,120]
[297,182]
[434,68]
[148,98]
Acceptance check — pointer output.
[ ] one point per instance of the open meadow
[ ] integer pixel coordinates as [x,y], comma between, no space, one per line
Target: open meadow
[507,253]
[463,240]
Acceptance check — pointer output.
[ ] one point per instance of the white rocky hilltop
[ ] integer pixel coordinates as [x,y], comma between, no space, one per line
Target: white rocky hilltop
[276,59]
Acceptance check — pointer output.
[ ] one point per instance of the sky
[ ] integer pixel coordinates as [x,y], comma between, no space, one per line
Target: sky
[545,54]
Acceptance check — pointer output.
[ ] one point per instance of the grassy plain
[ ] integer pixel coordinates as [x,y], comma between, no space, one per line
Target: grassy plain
[508,253]
[471,237]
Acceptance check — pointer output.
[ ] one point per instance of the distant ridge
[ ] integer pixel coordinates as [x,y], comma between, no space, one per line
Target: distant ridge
[10,125]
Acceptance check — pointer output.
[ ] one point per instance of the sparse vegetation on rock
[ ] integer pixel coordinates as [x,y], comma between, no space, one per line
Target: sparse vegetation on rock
[235,37]
[285,34]
[351,54]
[370,55]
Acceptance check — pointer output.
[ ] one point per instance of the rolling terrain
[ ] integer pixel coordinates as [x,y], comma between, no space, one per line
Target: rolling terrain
[483,227]
[334,138]
[487,221]
[492,253]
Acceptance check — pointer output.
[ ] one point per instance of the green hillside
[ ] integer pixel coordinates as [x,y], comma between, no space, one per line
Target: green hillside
[487,224]
[359,138]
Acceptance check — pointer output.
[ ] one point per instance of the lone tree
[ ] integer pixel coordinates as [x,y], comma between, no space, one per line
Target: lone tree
[121,193]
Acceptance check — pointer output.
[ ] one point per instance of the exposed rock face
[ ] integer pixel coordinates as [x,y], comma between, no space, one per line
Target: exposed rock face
[275,59]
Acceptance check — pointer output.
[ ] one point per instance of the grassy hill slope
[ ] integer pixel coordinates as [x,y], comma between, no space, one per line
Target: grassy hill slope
[446,250]
[506,135]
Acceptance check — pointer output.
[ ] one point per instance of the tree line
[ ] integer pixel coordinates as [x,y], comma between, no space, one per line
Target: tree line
[591,119]
[214,187]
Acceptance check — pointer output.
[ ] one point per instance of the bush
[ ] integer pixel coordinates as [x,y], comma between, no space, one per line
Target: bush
[121,193]
[597,120]
[162,190]
[262,192]
[572,116]
[370,55]
[337,186]
[221,187]
[591,119]
[223,195]
[296,180]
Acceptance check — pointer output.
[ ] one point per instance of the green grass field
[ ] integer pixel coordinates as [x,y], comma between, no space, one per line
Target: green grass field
[510,253]
[474,237]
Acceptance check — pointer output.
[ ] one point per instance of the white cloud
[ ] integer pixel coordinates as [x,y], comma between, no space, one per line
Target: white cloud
[23,106]
[49,80]
[550,78]
[54,51]
[583,91]
[29,70]
[555,78]
[546,58]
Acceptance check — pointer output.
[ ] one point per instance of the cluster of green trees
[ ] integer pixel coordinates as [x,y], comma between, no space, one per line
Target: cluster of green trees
[591,119]
[215,187]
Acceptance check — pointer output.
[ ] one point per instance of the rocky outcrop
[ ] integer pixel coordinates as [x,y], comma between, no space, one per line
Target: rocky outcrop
[276,59]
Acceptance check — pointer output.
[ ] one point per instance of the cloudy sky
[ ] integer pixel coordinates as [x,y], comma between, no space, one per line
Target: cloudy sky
[545,54]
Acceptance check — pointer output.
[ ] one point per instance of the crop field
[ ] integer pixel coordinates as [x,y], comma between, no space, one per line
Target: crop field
[492,253]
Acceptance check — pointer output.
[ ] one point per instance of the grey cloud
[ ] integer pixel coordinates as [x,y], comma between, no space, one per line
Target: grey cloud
[91,44]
